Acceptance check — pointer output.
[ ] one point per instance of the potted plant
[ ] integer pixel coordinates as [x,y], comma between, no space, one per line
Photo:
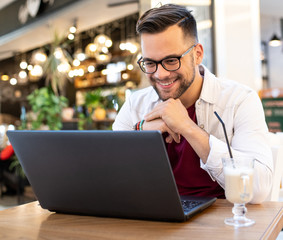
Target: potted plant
[47,108]
[57,65]
[113,103]
[95,103]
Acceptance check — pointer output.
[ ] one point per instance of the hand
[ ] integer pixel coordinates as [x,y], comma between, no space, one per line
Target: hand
[173,113]
[159,124]
[176,118]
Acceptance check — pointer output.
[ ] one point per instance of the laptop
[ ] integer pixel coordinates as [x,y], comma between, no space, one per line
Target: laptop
[123,174]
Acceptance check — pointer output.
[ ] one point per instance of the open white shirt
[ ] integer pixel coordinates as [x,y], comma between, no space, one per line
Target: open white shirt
[240,109]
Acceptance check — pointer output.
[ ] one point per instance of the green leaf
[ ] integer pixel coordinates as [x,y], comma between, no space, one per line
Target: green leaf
[48,106]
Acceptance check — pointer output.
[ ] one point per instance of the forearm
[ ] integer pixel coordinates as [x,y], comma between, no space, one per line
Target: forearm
[198,139]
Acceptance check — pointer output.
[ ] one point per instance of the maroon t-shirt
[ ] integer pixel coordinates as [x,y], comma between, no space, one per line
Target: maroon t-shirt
[190,178]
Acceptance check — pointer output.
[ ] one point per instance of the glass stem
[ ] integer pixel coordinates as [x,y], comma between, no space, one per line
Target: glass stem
[239,210]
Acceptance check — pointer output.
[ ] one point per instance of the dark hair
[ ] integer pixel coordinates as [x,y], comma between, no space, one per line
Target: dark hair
[157,20]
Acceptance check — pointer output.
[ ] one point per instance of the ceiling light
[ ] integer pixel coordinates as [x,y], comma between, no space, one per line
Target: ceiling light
[30,67]
[22,77]
[4,77]
[38,56]
[81,56]
[101,57]
[64,67]
[22,74]
[91,47]
[71,36]
[81,72]
[37,71]
[90,50]
[130,67]
[58,53]
[274,41]
[23,64]
[103,40]
[13,81]
[76,62]
[91,68]
[122,46]
[108,43]
[71,74]
[125,76]
[72,29]
[104,50]
[18,93]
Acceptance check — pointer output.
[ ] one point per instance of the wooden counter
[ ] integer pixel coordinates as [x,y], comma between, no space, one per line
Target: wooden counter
[30,221]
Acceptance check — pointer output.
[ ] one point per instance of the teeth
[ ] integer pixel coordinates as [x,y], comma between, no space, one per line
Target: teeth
[165,84]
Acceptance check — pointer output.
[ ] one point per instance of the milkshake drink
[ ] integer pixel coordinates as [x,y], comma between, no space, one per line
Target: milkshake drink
[238,184]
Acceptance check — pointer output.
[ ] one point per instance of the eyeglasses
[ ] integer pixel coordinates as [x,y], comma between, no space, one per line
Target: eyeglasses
[169,63]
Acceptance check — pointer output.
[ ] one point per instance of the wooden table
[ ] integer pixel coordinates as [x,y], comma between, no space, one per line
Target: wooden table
[30,221]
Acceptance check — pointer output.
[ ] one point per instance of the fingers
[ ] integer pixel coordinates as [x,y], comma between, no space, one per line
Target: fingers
[159,124]
[169,139]
[152,115]
[173,135]
[155,113]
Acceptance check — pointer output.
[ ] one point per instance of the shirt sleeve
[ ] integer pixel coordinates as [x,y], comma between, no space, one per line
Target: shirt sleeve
[123,120]
[250,138]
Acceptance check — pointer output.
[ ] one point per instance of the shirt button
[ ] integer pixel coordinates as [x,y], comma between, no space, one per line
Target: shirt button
[201,126]
[199,102]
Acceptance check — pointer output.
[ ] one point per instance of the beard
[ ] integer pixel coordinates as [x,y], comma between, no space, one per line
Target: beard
[184,86]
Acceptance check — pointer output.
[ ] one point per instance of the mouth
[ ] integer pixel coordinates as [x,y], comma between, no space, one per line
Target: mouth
[166,84]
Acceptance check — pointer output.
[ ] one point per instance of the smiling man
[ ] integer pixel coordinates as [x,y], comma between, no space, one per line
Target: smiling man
[181,104]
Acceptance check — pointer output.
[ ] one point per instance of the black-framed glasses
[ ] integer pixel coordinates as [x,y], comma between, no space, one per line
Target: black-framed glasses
[168,63]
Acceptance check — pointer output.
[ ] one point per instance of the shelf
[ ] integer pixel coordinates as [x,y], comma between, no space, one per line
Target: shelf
[75,120]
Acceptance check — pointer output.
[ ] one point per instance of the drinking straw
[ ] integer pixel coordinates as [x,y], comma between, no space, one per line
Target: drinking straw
[223,125]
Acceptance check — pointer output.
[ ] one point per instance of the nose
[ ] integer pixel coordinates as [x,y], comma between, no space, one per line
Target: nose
[161,73]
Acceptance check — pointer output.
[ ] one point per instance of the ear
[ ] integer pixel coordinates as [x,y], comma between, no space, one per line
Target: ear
[198,54]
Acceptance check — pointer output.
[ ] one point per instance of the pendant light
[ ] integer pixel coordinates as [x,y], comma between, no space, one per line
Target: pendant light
[274,41]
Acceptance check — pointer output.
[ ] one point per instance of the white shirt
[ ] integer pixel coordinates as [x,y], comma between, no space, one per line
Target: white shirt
[240,109]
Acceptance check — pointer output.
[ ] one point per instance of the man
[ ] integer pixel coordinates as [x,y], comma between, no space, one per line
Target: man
[181,104]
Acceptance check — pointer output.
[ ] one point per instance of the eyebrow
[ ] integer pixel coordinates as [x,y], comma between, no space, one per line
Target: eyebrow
[168,56]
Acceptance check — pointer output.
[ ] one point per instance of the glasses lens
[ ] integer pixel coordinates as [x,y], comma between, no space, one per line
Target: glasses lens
[148,66]
[171,64]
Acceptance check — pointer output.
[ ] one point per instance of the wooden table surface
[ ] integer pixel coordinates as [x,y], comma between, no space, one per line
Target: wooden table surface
[30,221]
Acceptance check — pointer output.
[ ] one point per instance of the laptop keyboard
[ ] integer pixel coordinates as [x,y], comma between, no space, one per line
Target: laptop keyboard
[188,205]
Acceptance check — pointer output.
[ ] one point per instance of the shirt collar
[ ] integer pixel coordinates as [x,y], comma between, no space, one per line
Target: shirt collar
[210,87]
[154,95]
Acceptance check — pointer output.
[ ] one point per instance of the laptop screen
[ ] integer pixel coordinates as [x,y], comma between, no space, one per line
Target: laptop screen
[103,173]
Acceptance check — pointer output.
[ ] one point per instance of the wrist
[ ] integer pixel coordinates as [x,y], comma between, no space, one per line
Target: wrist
[139,126]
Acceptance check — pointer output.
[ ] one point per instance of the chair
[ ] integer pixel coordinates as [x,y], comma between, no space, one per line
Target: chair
[277,154]
[280,134]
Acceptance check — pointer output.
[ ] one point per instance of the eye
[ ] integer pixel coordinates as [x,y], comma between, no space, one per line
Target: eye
[170,61]
[149,64]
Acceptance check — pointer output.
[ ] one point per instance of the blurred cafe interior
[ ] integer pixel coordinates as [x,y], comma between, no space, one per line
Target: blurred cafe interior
[70,64]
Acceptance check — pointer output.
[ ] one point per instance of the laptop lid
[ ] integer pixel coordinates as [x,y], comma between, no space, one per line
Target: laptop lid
[124,174]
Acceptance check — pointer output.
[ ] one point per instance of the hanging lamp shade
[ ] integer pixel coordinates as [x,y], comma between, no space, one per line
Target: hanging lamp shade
[5,77]
[274,41]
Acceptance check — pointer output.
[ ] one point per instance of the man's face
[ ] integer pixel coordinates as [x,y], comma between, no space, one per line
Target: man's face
[171,42]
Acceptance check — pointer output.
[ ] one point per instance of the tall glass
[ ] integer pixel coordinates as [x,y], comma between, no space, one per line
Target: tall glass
[238,173]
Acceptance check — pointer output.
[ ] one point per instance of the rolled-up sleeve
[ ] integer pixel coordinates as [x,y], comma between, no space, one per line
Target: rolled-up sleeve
[123,119]
[249,138]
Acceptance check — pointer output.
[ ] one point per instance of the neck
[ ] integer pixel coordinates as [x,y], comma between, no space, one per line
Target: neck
[193,92]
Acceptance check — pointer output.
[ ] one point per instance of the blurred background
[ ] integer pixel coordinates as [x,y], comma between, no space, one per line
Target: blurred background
[70,64]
